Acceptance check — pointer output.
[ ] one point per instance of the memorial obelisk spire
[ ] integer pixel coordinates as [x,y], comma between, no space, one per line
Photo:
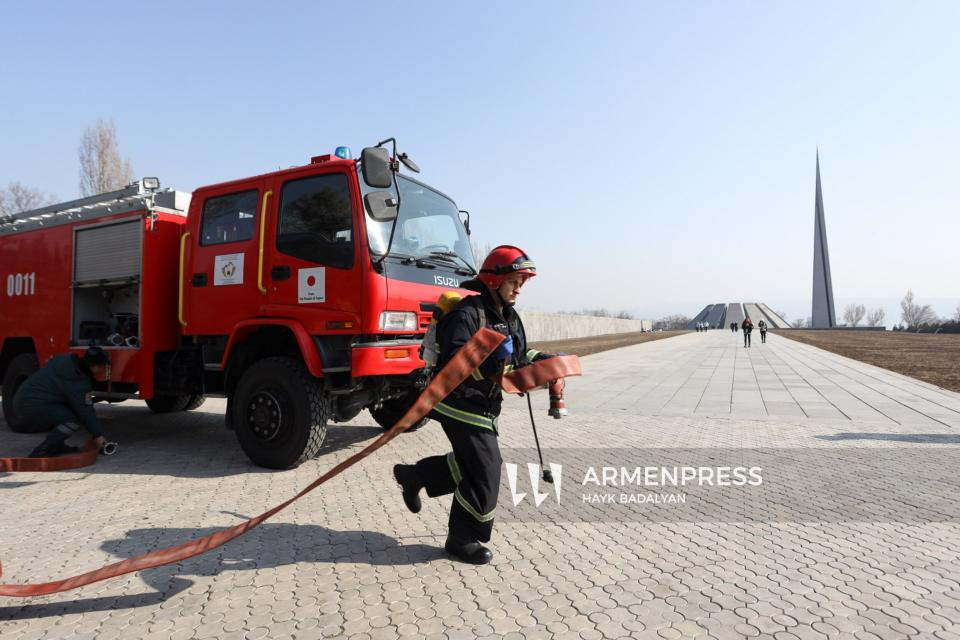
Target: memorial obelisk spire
[824,315]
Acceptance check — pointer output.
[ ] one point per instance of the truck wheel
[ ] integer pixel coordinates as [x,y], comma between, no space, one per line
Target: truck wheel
[392,410]
[19,369]
[195,402]
[280,413]
[168,404]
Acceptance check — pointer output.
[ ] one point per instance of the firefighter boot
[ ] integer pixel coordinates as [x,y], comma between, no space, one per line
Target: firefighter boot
[470,552]
[48,449]
[40,451]
[407,479]
[55,444]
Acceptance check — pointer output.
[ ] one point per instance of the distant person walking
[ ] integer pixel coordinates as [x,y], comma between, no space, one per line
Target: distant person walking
[747,327]
[762,325]
[733,327]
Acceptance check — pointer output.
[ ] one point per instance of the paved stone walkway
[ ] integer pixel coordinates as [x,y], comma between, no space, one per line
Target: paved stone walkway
[712,374]
[350,561]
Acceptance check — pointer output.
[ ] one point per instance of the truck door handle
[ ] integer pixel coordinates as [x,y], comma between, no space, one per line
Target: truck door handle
[199,280]
[280,273]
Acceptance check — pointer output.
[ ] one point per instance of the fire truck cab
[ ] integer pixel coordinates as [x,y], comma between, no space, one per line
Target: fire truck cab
[300,295]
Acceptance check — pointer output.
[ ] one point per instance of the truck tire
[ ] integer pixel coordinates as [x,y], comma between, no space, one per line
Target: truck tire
[195,402]
[392,410]
[280,413]
[19,369]
[168,404]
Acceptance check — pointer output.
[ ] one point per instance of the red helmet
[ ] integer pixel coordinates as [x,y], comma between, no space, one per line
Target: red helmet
[503,261]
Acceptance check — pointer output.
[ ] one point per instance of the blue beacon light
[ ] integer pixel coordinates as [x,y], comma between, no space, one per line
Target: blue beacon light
[343,152]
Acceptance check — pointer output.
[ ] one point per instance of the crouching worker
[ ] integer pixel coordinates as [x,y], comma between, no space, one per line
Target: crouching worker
[56,398]
[469,415]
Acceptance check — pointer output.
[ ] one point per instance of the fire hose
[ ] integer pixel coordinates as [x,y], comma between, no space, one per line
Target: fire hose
[78,460]
[456,371]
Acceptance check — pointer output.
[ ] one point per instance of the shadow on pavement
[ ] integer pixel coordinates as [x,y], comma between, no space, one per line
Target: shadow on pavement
[269,545]
[107,603]
[929,438]
[193,444]
[11,485]
[15,485]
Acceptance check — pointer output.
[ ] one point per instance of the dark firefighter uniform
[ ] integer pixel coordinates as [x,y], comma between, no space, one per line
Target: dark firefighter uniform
[56,397]
[469,417]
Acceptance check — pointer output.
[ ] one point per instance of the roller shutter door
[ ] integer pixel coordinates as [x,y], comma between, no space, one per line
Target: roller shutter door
[108,252]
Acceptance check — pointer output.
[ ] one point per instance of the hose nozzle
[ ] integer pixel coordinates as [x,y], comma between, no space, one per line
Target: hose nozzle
[109,448]
[558,407]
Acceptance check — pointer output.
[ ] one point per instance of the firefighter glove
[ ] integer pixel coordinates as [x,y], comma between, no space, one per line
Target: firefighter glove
[505,350]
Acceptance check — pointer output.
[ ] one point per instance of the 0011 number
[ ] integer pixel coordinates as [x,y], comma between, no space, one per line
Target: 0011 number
[22,284]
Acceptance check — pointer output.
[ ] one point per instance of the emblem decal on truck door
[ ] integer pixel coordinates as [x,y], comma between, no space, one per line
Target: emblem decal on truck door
[312,285]
[228,269]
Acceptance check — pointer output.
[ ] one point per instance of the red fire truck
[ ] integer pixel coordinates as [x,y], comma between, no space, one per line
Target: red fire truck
[300,295]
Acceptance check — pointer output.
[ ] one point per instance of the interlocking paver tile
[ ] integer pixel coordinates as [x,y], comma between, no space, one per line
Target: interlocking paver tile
[350,561]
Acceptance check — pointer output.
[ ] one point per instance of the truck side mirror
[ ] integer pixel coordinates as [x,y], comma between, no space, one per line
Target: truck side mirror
[377,169]
[382,205]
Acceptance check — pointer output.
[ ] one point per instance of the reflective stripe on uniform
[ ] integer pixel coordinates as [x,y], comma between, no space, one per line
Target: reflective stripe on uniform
[458,478]
[480,517]
[67,429]
[454,468]
[532,353]
[474,419]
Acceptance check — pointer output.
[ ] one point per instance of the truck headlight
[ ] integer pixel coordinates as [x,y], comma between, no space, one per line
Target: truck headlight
[398,321]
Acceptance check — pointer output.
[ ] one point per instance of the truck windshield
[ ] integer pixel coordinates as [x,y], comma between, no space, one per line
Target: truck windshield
[427,222]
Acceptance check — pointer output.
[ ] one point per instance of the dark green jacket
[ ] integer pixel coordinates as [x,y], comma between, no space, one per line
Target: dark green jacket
[57,393]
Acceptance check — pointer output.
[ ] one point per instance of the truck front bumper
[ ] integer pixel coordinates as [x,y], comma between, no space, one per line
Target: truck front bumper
[394,357]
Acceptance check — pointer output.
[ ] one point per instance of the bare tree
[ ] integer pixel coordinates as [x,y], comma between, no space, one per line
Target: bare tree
[801,323]
[853,314]
[915,315]
[956,314]
[18,197]
[479,251]
[848,314]
[783,315]
[101,167]
[875,317]
[672,322]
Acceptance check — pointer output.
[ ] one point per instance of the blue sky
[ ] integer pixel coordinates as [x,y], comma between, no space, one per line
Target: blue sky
[649,156]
